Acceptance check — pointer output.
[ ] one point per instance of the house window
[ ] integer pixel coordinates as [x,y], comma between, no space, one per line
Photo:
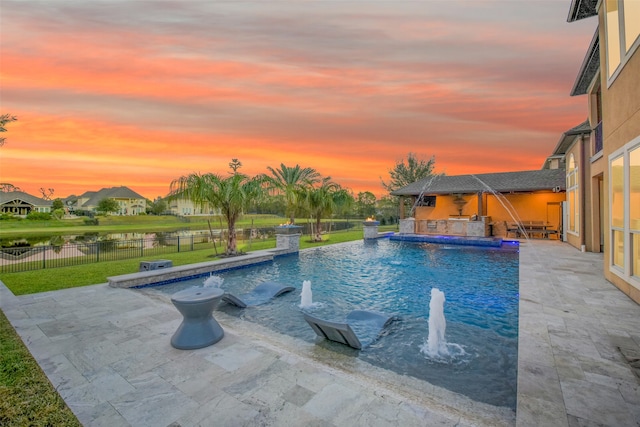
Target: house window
[573,195]
[631,23]
[634,209]
[622,31]
[624,173]
[612,28]
[617,211]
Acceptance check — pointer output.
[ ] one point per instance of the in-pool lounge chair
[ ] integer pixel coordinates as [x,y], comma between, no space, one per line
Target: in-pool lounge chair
[368,324]
[261,294]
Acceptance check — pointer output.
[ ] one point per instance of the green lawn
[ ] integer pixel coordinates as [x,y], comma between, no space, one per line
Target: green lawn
[142,223]
[51,279]
[27,398]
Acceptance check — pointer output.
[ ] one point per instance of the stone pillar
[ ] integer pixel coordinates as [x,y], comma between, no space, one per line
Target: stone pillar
[288,238]
[370,229]
[408,226]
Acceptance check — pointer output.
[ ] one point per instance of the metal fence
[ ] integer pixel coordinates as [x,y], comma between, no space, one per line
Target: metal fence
[16,259]
[27,258]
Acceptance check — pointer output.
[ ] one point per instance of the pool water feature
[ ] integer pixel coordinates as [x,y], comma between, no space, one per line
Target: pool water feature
[481,310]
[306,298]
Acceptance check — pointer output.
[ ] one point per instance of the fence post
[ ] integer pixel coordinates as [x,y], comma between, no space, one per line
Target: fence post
[178,243]
[44,257]
[97,251]
[142,247]
[192,243]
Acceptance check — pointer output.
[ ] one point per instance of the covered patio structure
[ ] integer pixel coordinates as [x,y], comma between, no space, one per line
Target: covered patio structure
[505,204]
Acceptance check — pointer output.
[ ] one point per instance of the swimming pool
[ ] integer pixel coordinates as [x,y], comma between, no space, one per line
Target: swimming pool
[481,308]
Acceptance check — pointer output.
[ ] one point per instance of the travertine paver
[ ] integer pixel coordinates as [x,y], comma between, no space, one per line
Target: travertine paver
[108,353]
[573,324]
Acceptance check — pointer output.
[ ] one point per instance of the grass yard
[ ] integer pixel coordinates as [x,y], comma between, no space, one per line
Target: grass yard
[52,279]
[27,398]
[124,224]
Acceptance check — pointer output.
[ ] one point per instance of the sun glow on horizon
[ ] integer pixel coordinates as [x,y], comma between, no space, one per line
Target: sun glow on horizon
[132,95]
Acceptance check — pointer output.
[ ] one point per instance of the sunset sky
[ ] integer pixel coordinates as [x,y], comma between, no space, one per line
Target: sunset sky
[138,93]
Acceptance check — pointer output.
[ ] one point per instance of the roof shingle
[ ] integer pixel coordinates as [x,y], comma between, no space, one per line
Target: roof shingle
[502,182]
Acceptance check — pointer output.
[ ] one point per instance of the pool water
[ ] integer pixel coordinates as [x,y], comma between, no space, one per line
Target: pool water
[481,307]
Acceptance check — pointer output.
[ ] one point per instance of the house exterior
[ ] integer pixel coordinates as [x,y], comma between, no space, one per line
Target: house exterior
[130,202]
[185,207]
[610,76]
[22,204]
[575,153]
[486,204]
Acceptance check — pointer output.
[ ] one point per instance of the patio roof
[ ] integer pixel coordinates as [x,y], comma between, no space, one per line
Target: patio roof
[502,182]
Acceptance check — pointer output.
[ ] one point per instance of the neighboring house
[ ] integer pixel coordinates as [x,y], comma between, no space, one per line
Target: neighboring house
[22,204]
[496,199]
[613,87]
[184,207]
[131,203]
[575,153]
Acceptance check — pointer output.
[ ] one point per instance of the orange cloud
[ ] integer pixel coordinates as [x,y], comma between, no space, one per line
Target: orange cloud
[139,96]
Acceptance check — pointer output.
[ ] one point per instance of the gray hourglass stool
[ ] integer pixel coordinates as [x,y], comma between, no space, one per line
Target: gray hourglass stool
[198,328]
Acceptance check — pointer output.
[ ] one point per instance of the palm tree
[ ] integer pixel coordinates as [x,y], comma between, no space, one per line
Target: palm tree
[322,200]
[289,182]
[230,194]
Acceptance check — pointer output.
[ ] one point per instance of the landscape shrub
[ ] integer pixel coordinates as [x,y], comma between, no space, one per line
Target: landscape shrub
[39,216]
[90,221]
[9,217]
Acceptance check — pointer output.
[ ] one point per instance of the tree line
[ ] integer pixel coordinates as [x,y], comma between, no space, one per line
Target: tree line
[300,191]
[291,191]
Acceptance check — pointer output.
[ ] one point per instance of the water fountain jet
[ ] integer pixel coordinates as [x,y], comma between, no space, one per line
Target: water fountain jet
[436,345]
[306,300]
[212,281]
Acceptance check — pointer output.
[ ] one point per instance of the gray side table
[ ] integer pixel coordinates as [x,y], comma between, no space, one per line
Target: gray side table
[198,328]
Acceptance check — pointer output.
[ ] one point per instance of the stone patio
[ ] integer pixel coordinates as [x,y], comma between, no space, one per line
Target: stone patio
[108,353]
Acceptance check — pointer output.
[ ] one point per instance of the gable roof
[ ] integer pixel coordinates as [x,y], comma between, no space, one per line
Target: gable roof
[27,198]
[94,197]
[566,140]
[502,182]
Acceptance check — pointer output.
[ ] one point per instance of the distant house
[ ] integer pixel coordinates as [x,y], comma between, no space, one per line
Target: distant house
[130,202]
[22,204]
[185,207]
[610,77]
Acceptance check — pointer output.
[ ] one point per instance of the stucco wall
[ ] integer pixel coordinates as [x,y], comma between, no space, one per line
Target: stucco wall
[543,206]
[620,125]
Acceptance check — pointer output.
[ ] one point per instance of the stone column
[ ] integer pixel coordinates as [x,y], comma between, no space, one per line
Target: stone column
[288,238]
[370,229]
[408,226]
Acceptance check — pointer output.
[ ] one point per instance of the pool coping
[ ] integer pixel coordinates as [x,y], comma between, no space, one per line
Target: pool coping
[447,239]
[187,271]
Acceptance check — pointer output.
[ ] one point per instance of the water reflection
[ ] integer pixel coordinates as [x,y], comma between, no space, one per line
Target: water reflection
[159,238]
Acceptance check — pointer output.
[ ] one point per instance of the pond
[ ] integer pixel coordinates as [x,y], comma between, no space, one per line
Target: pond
[199,235]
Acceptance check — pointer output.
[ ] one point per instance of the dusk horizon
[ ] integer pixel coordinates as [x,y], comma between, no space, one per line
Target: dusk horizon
[139,93]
